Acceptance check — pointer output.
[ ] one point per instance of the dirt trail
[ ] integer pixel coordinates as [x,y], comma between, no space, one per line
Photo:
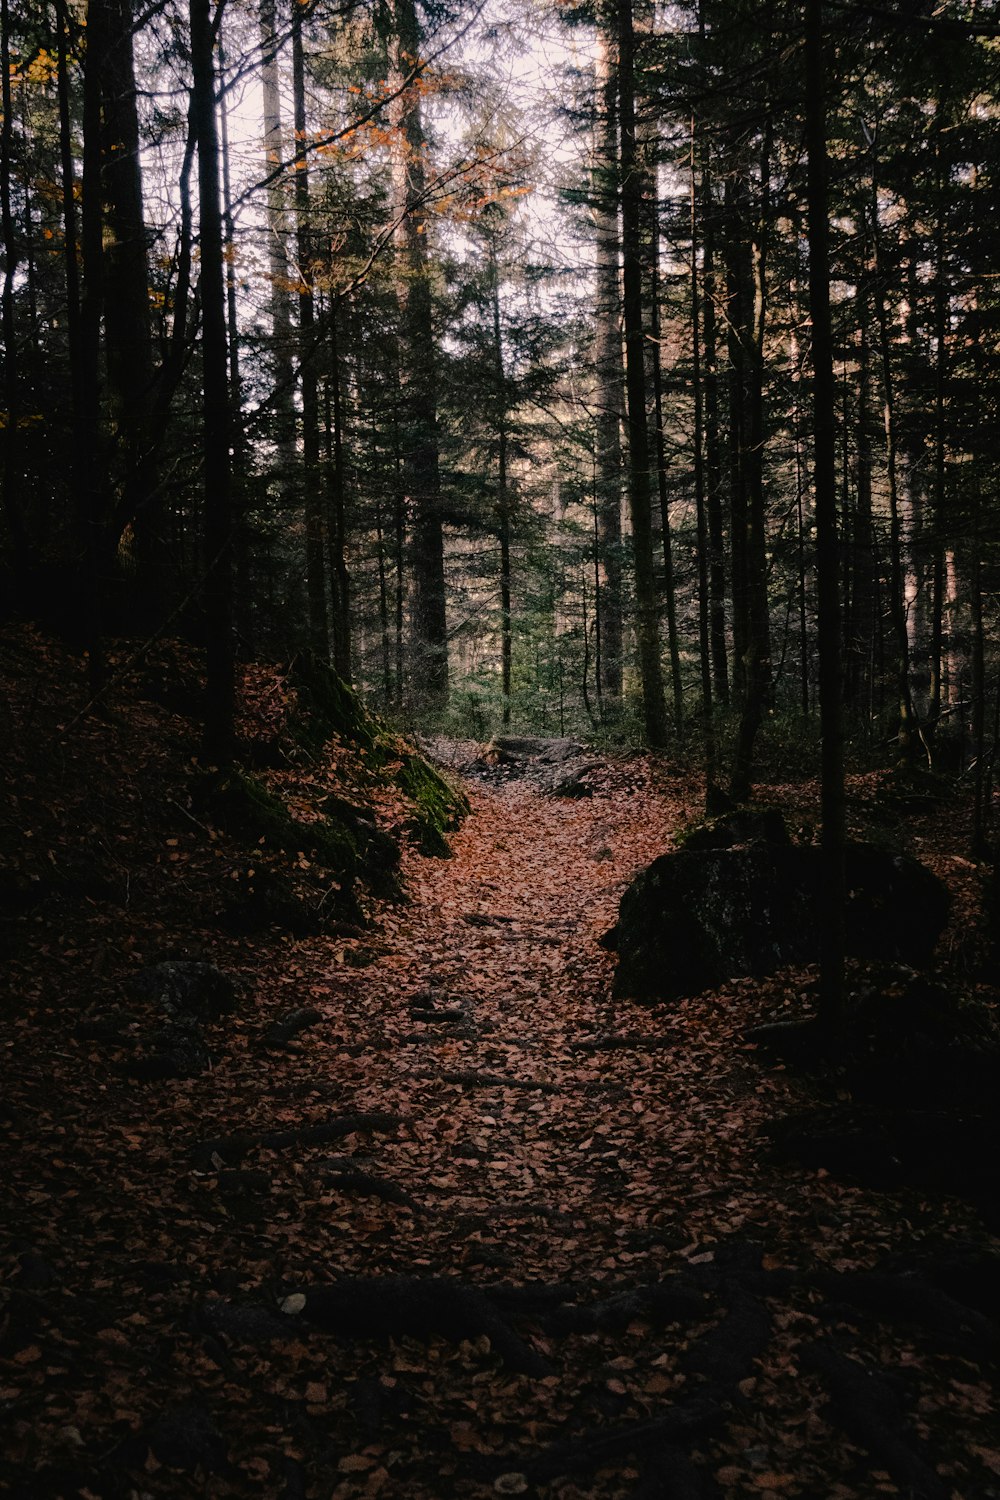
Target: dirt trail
[476,1229]
[567,1102]
[561,1139]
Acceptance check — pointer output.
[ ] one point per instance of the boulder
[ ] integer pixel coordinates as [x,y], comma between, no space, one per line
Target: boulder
[258,898]
[439,806]
[177,1050]
[699,917]
[375,852]
[184,987]
[187,1438]
[740,825]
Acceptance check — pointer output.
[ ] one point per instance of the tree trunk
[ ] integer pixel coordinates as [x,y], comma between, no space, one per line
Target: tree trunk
[940,466]
[220,697]
[827,552]
[640,500]
[336,470]
[608,371]
[980,814]
[908,726]
[13,500]
[243,617]
[319,639]
[647,143]
[80,464]
[860,640]
[669,582]
[91,494]
[736,213]
[701,509]
[418,373]
[383,606]
[126,320]
[399,538]
[279,270]
[713,460]
[750,274]
[503,494]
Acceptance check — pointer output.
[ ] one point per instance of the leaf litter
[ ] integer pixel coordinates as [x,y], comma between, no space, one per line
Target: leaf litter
[483,1229]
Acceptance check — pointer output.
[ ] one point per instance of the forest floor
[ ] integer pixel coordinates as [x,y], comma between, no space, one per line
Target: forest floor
[478,1229]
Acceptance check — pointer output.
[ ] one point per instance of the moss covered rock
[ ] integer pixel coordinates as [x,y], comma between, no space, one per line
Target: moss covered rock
[695,919]
[376,851]
[257,898]
[346,841]
[246,809]
[439,806]
[328,706]
[738,827]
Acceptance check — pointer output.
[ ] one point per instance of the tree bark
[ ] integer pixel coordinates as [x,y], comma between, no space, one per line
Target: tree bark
[859,640]
[660,448]
[89,484]
[279,270]
[908,726]
[418,370]
[242,605]
[608,370]
[503,493]
[220,695]
[312,503]
[701,508]
[336,471]
[940,441]
[749,274]
[827,559]
[640,499]
[13,500]
[128,335]
[713,460]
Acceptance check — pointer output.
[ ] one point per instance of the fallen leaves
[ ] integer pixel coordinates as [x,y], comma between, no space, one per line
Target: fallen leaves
[511,1484]
[640,1166]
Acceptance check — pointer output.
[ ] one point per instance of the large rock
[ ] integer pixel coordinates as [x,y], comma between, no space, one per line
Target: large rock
[184,987]
[176,1050]
[699,917]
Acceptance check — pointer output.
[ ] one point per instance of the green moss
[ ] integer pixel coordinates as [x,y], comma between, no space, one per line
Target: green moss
[328,706]
[439,806]
[245,808]
[377,852]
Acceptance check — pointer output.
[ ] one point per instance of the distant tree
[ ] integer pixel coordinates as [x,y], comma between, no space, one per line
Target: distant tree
[418,360]
[639,469]
[216,415]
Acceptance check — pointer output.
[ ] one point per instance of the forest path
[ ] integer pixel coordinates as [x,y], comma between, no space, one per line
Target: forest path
[598,1171]
[443,1219]
[585,1126]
